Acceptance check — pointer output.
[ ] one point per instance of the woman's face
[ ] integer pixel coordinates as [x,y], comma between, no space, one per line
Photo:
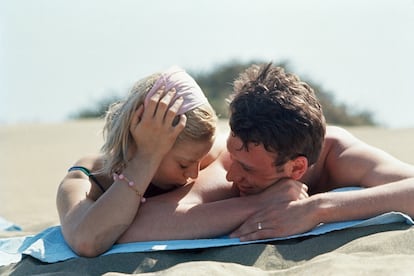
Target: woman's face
[181,164]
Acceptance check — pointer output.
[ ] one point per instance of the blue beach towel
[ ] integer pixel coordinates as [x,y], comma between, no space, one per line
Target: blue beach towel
[49,246]
[6,225]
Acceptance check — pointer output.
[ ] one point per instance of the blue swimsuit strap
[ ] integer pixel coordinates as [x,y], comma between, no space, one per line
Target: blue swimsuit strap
[88,173]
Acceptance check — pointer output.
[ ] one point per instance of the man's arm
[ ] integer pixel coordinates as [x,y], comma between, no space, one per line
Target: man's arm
[347,161]
[352,162]
[186,213]
[208,208]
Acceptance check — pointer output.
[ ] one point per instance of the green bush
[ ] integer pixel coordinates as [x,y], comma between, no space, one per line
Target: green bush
[217,85]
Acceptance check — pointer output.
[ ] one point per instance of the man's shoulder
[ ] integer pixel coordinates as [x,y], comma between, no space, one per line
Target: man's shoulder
[321,176]
[337,140]
[336,131]
[338,135]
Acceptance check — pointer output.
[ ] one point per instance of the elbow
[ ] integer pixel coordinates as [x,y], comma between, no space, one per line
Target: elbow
[88,248]
[87,242]
[85,249]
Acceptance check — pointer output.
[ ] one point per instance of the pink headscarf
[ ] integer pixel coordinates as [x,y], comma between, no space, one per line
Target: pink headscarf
[185,86]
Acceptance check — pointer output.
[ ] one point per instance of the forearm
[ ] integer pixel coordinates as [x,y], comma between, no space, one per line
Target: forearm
[361,204]
[91,227]
[166,220]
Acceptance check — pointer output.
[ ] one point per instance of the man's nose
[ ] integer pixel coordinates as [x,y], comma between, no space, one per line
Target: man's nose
[233,174]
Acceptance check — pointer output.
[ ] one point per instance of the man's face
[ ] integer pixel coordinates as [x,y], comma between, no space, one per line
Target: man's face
[252,170]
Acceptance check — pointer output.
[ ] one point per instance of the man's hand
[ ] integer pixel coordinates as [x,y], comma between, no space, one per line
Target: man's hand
[284,211]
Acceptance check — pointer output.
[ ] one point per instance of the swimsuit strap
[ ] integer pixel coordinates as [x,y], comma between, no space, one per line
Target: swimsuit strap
[87,173]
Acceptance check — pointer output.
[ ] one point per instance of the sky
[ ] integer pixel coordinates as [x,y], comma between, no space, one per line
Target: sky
[58,57]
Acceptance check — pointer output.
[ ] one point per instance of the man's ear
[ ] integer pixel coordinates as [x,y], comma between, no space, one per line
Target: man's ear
[299,166]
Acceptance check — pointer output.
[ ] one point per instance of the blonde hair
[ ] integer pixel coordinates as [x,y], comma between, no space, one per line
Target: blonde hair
[200,125]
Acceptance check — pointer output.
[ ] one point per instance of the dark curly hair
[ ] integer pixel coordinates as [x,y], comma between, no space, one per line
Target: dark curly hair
[277,109]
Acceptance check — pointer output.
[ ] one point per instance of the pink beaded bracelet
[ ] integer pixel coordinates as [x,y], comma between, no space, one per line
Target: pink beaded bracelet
[130,183]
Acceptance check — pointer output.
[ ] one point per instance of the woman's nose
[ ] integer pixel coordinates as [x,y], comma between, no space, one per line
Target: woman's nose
[192,172]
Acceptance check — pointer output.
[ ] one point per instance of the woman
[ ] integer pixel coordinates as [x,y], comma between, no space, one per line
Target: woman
[155,141]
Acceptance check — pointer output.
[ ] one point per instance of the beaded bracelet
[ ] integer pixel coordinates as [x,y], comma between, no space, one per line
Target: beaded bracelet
[130,183]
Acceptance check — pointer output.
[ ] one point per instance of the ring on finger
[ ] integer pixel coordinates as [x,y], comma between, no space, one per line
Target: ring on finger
[259,226]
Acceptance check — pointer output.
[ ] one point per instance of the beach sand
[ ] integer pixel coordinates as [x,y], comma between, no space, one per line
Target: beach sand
[35,157]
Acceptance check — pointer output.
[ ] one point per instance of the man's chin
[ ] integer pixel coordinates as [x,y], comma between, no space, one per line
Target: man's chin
[244,193]
[248,192]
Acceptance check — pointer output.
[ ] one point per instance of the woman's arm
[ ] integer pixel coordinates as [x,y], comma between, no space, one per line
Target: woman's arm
[91,222]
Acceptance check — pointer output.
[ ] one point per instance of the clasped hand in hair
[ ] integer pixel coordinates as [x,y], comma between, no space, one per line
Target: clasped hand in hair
[152,126]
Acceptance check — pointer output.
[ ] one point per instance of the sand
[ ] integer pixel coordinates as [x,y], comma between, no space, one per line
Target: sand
[34,158]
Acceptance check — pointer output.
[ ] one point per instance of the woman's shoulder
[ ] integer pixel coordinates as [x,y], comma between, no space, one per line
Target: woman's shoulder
[91,162]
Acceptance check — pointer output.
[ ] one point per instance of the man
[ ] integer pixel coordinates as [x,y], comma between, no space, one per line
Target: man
[281,159]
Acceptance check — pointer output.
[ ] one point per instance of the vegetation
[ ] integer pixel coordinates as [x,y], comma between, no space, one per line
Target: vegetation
[217,85]
[97,111]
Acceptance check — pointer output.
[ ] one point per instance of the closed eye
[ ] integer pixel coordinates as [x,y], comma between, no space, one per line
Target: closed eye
[245,168]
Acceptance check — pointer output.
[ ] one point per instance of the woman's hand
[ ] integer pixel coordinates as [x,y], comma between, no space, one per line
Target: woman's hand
[152,127]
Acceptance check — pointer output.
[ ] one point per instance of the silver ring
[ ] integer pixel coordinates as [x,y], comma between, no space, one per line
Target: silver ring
[259,226]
